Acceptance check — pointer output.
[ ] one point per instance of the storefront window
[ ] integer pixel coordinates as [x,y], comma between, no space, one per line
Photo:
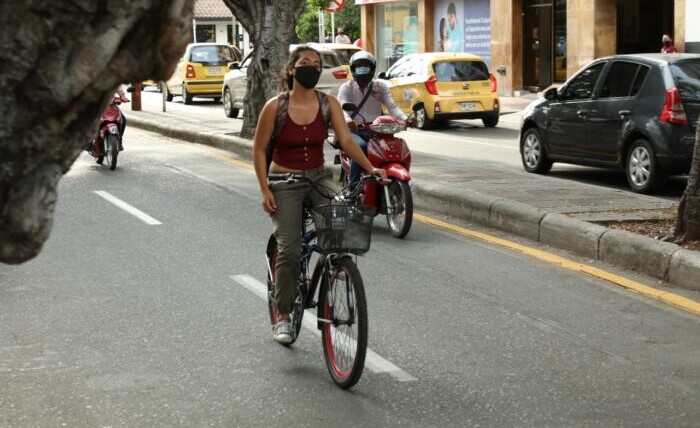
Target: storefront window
[560,41]
[205,33]
[397,32]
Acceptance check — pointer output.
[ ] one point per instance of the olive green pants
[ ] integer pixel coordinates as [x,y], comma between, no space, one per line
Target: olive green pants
[287,230]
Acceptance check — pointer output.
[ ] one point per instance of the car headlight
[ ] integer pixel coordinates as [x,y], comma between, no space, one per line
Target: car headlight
[388,128]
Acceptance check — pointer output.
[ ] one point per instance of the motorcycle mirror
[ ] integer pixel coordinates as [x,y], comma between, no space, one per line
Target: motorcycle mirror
[349,107]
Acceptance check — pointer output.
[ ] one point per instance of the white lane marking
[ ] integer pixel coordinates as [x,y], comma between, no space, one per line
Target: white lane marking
[374,362]
[128,208]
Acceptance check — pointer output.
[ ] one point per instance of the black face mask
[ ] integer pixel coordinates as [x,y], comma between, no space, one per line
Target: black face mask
[306,75]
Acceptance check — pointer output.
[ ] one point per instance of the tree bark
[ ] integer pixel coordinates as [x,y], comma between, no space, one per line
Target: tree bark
[688,219]
[60,62]
[270,25]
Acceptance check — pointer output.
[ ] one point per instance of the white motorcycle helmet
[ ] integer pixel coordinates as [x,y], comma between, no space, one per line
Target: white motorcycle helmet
[362,66]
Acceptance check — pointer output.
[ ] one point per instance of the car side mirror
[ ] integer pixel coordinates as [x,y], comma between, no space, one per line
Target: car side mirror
[551,94]
[235,66]
[349,107]
[382,75]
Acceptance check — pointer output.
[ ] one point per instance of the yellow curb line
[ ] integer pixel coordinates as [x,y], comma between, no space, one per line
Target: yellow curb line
[666,297]
[209,151]
[670,298]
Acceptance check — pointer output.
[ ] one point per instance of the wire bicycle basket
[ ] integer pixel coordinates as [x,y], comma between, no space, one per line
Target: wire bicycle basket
[343,228]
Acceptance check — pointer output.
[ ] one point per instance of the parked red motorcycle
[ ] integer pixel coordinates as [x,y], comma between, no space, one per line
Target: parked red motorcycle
[106,145]
[394,199]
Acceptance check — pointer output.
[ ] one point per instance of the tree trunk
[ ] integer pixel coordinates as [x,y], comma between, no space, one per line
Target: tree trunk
[688,220]
[270,25]
[61,62]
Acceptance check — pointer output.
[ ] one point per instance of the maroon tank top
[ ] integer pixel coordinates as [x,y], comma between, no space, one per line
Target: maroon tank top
[300,147]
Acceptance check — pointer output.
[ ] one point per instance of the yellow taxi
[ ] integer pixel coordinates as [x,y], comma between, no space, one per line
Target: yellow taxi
[200,71]
[444,86]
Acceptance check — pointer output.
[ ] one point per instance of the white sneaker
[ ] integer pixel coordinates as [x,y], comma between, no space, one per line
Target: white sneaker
[283,332]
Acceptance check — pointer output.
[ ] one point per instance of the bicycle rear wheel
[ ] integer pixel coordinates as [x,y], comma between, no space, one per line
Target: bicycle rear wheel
[298,311]
[344,329]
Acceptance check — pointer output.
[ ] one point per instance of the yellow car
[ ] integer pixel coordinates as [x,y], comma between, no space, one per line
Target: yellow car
[200,72]
[444,86]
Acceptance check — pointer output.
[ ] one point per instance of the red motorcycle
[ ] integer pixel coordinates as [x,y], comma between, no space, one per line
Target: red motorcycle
[394,198]
[106,145]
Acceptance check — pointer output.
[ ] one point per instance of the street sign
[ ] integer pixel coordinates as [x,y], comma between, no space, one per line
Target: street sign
[335,5]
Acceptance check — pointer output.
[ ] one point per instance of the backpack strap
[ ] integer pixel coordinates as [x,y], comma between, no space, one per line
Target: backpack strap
[281,116]
[282,106]
[364,100]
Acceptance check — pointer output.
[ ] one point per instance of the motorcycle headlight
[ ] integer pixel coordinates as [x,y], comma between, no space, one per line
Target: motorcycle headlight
[388,128]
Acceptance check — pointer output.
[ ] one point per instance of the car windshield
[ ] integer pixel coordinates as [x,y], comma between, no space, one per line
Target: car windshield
[330,60]
[460,71]
[687,77]
[212,55]
[344,55]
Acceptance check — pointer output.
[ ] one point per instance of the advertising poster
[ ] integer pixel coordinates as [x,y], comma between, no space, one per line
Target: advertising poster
[477,28]
[463,26]
[449,28]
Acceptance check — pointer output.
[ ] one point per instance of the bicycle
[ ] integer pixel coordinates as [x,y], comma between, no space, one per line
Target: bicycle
[335,287]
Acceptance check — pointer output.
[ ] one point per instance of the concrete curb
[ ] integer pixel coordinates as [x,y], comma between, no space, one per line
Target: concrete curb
[637,252]
[579,237]
[240,146]
[661,260]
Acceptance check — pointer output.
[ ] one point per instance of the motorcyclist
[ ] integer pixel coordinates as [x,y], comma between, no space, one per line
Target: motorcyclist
[122,123]
[362,66]
[121,94]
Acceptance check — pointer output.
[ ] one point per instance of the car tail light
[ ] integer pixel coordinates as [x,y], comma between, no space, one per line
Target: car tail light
[673,111]
[190,74]
[437,107]
[430,85]
[341,74]
[494,83]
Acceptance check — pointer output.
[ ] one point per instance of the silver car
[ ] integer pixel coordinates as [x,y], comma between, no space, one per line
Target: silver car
[233,92]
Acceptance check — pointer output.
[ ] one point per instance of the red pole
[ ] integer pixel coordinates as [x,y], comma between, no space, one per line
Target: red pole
[136,97]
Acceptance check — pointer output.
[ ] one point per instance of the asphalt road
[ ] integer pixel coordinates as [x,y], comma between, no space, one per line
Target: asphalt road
[150,318]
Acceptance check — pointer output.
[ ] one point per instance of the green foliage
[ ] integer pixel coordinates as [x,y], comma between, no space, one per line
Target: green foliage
[318,4]
[307,26]
[347,18]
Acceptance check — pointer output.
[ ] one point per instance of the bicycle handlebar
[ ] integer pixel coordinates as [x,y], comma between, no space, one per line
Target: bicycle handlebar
[292,177]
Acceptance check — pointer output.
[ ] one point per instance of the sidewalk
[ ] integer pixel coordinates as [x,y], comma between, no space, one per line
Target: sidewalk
[552,211]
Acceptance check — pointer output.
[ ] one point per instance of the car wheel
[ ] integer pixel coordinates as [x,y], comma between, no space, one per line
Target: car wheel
[186,96]
[490,121]
[533,154]
[422,120]
[228,104]
[642,172]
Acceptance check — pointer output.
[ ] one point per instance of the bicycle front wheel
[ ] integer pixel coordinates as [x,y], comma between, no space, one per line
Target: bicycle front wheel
[344,324]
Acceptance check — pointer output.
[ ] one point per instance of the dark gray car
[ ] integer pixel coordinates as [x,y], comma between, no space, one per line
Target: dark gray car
[636,112]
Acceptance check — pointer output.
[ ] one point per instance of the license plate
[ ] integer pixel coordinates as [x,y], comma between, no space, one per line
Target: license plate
[467,106]
[213,70]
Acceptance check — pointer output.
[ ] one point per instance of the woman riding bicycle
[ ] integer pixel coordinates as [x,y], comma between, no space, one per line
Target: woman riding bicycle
[298,149]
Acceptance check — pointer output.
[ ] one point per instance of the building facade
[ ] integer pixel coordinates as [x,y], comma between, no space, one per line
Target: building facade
[528,44]
[213,22]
